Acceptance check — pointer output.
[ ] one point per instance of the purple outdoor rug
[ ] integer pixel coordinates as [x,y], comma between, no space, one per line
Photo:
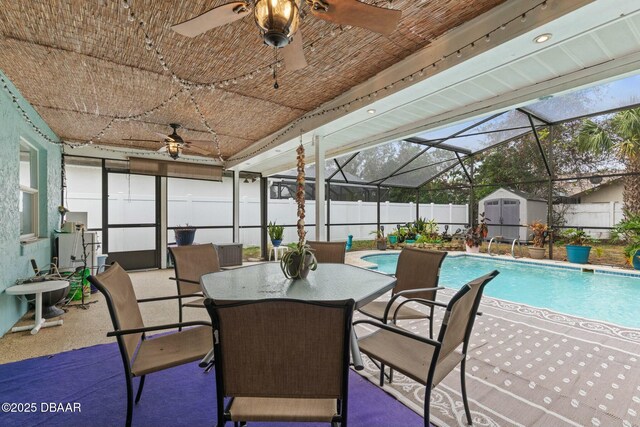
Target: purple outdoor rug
[86,387]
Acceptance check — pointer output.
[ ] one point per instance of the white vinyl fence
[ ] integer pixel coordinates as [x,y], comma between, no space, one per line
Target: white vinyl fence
[587,215]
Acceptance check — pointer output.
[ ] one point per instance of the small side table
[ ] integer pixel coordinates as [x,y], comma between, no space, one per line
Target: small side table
[37,289]
[275,250]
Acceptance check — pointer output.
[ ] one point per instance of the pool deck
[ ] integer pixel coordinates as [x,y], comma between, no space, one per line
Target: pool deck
[533,367]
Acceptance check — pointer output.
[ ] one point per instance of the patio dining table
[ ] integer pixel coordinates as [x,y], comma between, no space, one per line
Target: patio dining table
[328,282]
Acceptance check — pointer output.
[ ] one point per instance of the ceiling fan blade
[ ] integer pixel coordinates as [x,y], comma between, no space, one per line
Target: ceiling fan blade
[213,18]
[357,14]
[197,150]
[293,53]
[163,136]
[142,140]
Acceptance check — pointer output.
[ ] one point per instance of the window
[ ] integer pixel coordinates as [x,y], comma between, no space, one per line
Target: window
[28,205]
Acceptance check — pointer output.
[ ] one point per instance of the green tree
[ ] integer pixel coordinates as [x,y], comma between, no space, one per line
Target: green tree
[619,135]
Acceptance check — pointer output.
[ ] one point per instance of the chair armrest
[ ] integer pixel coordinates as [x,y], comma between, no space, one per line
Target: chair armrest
[399,331]
[170,297]
[195,282]
[403,294]
[157,328]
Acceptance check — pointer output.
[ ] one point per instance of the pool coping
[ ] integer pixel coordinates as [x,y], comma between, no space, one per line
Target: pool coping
[595,268]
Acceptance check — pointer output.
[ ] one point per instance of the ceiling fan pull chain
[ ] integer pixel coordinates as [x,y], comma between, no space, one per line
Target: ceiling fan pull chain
[275,69]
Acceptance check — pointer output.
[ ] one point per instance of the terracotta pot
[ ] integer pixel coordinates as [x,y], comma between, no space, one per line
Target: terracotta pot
[536,253]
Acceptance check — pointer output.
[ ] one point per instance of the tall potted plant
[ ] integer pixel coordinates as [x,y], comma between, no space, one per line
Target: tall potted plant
[539,234]
[296,263]
[275,233]
[577,248]
[474,235]
[381,240]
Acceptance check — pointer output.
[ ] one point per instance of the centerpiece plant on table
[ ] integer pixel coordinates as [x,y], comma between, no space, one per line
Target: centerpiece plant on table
[297,263]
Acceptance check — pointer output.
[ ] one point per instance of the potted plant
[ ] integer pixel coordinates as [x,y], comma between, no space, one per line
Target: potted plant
[297,263]
[393,237]
[474,235]
[577,248]
[539,235]
[411,234]
[275,233]
[628,231]
[381,240]
[402,234]
[184,235]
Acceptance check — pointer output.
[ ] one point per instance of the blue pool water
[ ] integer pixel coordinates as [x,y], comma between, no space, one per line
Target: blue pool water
[606,297]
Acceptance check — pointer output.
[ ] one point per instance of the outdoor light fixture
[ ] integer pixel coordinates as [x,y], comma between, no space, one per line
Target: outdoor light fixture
[278,20]
[246,181]
[542,38]
[174,148]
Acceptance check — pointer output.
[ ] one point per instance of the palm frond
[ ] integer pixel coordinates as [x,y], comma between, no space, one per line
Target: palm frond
[594,139]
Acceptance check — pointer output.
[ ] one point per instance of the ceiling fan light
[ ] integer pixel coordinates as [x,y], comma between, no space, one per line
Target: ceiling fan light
[278,20]
[173,149]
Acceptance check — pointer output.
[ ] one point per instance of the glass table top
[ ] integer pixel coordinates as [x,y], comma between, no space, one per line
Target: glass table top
[328,282]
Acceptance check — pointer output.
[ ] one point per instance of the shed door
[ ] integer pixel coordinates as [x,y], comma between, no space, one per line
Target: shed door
[492,217]
[503,217]
[510,219]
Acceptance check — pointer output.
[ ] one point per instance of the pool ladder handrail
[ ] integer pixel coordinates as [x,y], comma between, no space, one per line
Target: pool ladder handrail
[513,248]
[490,243]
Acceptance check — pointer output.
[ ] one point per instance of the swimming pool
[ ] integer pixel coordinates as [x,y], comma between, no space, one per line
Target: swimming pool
[608,297]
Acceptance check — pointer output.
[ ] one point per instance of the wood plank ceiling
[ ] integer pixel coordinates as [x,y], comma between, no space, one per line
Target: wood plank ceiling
[87,68]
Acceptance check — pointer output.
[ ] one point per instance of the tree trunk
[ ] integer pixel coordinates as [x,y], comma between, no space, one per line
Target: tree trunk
[631,195]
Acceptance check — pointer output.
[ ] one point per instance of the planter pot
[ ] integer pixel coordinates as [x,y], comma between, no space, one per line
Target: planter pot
[410,241]
[635,260]
[49,301]
[472,249]
[536,253]
[578,254]
[185,236]
[382,245]
[293,267]
[276,242]
[393,239]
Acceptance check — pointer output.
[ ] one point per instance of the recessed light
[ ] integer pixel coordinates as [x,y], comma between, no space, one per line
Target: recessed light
[543,38]
[371,111]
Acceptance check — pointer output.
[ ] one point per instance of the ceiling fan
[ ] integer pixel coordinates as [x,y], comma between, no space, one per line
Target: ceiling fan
[174,144]
[278,21]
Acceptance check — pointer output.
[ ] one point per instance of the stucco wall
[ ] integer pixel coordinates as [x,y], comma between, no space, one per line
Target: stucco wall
[14,257]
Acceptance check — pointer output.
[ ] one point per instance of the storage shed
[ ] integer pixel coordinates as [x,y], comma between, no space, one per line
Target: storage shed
[508,213]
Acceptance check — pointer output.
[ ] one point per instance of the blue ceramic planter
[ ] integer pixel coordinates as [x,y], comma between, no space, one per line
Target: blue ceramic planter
[393,239]
[636,260]
[276,243]
[578,254]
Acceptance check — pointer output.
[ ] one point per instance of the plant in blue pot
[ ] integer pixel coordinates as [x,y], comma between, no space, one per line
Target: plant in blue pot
[578,248]
[275,233]
[628,231]
[184,235]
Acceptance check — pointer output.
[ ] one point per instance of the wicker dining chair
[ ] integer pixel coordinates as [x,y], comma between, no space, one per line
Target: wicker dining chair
[418,274]
[328,252]
[425,360]
[282,360]
[190,263]
[142,356]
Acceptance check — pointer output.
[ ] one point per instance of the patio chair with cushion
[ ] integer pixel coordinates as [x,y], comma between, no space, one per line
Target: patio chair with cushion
[328,252]
[282,360]
[425,360]
[190,263]
[142,356]
[418,273]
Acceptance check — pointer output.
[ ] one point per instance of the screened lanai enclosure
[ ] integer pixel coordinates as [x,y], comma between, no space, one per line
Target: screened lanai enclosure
[438,174]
